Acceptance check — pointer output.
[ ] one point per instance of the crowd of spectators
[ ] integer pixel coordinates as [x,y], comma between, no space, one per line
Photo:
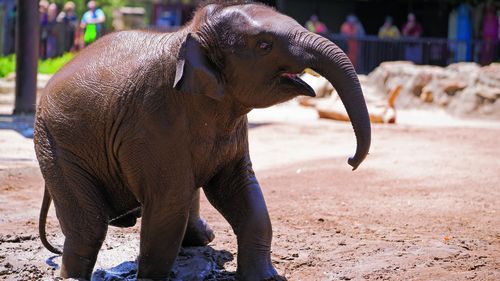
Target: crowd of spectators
[473,35]
[352,29]
[64,31]
[473,32]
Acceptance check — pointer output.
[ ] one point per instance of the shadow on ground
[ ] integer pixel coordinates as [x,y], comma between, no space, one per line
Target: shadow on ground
[193,263]
[23,124]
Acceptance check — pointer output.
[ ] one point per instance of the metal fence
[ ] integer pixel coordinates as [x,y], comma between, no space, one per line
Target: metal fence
[368,52]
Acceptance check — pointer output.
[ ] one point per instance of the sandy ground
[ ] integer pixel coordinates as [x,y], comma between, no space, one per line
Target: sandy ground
[425,205]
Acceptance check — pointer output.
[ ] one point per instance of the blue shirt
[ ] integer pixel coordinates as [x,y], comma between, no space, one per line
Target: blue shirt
[89,15]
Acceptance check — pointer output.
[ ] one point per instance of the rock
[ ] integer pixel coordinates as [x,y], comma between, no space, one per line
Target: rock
[426,96]
[461,88]
[466,103]
[489,76]
[495,108]
[487,92]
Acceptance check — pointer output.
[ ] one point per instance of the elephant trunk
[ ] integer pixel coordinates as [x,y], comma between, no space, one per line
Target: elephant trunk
[332,63]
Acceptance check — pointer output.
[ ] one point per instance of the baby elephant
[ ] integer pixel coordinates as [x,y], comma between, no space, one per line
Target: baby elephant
[139,121]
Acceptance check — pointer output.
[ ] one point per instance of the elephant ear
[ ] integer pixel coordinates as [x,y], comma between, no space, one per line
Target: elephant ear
[194,73]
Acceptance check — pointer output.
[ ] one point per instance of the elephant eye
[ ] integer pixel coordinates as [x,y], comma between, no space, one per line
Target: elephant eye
[265,46]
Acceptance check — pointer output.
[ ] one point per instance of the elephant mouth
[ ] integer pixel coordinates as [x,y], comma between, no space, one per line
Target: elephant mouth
[293,80]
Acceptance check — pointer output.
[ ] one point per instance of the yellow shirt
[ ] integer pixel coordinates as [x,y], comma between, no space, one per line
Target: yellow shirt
[390,32]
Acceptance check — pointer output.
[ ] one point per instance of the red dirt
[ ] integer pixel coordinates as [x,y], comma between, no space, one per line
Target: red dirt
[425,205]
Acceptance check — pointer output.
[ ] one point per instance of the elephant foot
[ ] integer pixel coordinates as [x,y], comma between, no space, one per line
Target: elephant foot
[255,266]
[276,278]
[198,233]
[273,278]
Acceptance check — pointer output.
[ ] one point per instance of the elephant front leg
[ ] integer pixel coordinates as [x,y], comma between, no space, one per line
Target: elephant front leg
[236,193]
[165,193]
[162,229]
[198,232]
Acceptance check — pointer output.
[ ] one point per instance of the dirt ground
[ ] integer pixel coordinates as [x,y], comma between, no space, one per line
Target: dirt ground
[425,205]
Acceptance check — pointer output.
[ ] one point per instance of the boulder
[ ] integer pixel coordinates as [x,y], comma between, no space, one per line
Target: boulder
[460,88]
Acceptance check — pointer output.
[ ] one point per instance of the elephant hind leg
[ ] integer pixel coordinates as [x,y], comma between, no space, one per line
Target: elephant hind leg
[84,225]
[80,207]
[82,214]
[80,254]
[198,232]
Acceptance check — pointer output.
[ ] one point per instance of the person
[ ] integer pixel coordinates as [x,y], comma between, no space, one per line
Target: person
[388,30]
[92,22]
[316,26]
[463,33]
[43,7]
[68,18]
[52,32]
[489,34]
[352,29]
[413,30]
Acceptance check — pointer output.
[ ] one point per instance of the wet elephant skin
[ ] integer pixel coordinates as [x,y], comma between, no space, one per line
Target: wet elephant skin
[137,122]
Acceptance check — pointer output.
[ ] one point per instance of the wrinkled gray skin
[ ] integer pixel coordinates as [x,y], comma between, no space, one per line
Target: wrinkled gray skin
[138,121]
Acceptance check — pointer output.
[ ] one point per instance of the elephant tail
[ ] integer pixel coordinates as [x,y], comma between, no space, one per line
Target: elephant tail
[42,222]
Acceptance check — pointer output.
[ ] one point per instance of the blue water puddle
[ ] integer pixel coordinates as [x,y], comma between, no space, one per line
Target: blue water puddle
[50,262]
[123,272]
[23,124]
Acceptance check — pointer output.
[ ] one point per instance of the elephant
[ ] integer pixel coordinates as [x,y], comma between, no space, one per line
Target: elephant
[139,121]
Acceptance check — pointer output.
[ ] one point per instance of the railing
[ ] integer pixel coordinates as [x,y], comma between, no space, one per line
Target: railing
[368,52]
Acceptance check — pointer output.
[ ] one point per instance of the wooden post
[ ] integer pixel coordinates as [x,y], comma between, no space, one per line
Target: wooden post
[27,42]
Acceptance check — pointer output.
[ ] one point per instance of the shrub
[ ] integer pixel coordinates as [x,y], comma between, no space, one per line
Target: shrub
[51,66]
[48,66]
[7,65]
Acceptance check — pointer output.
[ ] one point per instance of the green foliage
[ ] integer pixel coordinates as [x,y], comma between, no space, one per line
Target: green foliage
[7,65]
[48,66]
[51,66]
